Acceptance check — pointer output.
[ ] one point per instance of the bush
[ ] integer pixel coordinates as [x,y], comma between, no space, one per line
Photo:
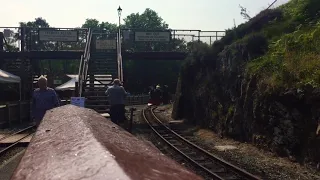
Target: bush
[293,59]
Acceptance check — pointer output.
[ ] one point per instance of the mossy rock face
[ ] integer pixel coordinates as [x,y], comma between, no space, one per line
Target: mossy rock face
[260,83]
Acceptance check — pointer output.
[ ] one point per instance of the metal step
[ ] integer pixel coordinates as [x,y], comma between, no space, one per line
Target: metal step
[103,111]
[93,106]
[96,97]
[95,88]
[97,101]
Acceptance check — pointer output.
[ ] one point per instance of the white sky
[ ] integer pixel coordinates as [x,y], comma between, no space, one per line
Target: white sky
[179,14]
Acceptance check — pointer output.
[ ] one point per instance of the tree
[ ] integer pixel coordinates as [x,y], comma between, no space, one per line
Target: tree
[148,20]
[154,72]
[9,42]
[244,13]
[31,32]
[107,30]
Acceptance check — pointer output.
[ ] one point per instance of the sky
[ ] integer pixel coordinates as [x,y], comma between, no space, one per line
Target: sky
[204,15]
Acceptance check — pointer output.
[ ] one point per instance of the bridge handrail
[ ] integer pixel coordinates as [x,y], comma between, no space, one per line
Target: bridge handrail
[83,68]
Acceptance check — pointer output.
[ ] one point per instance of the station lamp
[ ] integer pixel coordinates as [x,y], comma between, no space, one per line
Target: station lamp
[119,11]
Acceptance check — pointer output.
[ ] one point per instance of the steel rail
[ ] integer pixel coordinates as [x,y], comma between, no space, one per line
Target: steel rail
[234,169]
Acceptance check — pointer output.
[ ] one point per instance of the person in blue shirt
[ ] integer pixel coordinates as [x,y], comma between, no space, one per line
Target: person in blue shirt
[43,99]
[116,95]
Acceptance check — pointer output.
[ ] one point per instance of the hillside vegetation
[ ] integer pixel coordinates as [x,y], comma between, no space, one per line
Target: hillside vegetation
[261,82]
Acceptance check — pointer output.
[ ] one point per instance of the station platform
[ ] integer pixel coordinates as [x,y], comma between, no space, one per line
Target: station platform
[78,143]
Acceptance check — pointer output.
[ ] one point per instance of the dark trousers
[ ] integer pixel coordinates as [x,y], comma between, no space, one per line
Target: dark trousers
[117,113]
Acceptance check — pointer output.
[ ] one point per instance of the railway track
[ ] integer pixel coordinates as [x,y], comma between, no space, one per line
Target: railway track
[213,166]
[26,132]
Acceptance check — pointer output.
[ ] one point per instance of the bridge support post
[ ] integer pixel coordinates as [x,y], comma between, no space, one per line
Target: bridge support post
[1,41]
[23,43]
[131,119]
[76,89]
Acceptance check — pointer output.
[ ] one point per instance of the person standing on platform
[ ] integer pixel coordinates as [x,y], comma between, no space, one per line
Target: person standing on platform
[116,95]
[43,99]
[157,95]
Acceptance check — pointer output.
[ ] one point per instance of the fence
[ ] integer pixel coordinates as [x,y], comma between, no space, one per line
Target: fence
[137,100]
[15,112]
[130,100]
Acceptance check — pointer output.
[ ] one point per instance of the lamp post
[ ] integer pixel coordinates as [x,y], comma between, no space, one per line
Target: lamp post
[120,74]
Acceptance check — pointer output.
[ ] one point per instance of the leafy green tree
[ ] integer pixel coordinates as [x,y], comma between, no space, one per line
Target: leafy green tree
[103,29]
[31,35]
[148,20]
[139,74]
[9,43]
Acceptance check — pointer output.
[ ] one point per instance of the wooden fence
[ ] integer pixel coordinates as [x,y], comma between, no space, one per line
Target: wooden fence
[15,112]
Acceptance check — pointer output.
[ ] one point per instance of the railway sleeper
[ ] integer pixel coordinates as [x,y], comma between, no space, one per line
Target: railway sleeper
[218,170]
[173,141]
[200,159]
[230,177]
[166,135]
[190,153]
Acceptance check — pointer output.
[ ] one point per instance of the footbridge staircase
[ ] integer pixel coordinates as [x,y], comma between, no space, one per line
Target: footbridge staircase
[97,70]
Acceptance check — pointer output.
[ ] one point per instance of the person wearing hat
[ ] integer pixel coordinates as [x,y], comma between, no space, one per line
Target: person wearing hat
[116,95]
[157,95]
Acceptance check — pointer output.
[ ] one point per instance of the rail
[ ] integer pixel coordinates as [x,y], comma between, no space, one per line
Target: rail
[210,164]
[84,63]
[24,134]
[15,112]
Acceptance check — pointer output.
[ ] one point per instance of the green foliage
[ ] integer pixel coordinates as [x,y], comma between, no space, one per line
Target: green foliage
[280,47]
[149,19]
[292,61]
[101,27]
[302,11]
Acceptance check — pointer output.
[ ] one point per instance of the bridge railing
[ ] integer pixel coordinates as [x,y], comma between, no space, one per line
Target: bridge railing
[160,40]
[84,63]
[14,112]
[163,40]
[37,39]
